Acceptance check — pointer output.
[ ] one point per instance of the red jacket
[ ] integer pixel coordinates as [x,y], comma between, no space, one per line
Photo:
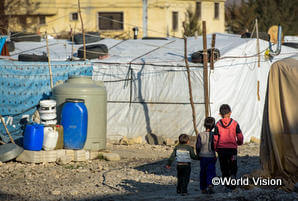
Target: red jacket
[227,134]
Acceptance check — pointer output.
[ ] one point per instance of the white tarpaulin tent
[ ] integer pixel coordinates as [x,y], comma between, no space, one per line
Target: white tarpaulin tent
[147,84]
[159,81]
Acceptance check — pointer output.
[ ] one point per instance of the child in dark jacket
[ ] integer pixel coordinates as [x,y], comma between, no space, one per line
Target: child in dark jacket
[183,154]
[227,136]
[206,153]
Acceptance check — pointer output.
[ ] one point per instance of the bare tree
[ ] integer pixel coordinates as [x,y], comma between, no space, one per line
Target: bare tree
[242,16]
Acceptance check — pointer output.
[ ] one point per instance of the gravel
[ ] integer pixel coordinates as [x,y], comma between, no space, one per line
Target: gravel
[139,175]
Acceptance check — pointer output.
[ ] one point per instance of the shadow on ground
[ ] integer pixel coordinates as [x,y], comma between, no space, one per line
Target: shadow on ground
[8,197]
[140,191]
[246,164]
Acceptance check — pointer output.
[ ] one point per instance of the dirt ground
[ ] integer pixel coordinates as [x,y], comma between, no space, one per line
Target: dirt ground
[140,175]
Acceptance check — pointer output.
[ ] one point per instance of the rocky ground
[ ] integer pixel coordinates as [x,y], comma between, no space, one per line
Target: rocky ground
[139,175]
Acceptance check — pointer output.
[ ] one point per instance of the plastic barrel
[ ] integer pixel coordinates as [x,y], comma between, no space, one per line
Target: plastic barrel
[74,119]
[33,137]
[95,96]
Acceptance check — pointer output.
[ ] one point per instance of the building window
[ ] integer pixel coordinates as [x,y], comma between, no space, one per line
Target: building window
[174,21]
[74,16]
[216,10]
[198,9]
[110,20]
[42,19]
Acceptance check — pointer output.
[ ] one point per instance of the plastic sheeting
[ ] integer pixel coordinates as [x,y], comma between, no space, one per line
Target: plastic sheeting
[156,99]
[151,100]
[24,84]
[234,81]
[279,142]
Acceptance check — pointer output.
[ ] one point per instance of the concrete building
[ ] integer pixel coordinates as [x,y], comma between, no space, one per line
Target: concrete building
[116,18]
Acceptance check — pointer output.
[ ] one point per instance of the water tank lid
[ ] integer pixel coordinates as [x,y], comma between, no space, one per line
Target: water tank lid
[75,100]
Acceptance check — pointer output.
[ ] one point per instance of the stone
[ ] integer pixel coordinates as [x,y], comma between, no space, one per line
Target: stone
[31,156]
[81,155]
[1,163]
[60,153]
[74,192]
[55,192]
[170,142]
[255,140]
[94,155]
[50,156]
[154,139]
[111,156]
[131,141]
[63,160]
[69,153]
[99,168]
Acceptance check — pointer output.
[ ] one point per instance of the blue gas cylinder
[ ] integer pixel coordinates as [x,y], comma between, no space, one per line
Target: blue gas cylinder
[74,119]
[33,137]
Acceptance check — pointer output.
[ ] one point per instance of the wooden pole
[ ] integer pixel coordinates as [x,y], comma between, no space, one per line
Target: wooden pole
[72,50]
[258,43]
[49,62]
[212,52]
[8,133]
[205,72]
[190,89]
[83,31]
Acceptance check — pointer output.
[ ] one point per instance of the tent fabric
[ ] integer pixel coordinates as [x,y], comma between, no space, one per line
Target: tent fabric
[24,84]
[279,137]
[233,81]
[147,87]
[155,100]
[239,82]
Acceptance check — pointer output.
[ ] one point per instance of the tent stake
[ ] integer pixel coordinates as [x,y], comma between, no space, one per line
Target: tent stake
[205,72]
[49,62]
[189,88]
[83,31]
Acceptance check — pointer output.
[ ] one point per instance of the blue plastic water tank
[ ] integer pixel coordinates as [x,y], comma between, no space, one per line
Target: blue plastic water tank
[74,119]
[33,137]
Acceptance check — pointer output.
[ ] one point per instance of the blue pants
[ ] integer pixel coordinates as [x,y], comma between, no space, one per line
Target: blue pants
[207,165]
